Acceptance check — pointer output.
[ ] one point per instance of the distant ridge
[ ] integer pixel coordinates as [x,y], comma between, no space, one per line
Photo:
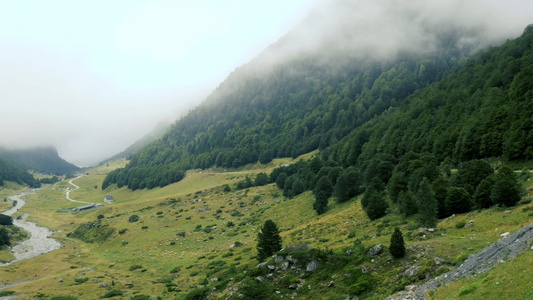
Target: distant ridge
[40,159]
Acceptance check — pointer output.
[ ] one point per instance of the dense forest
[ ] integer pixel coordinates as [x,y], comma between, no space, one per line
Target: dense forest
[10,172]
[286,109]
[357,110]
[42,160]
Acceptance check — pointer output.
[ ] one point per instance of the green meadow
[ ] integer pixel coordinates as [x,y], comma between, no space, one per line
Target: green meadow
[167,242]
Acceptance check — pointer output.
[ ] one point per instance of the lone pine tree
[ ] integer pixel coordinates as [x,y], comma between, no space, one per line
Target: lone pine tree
[397,246]
[269,241]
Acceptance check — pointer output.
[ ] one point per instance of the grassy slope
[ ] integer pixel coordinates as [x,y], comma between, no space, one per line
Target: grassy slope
[153,242]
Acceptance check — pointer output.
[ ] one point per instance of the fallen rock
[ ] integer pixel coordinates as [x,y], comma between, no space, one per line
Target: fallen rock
[270,276]
[331,284]
[214,279]
[271,268]
[412,271]
[375,250]
[505,234]
[349,252]
[312,266]
[262,265]
[285,266]
[259,279]
[278,259]
[292,287]
[104,285]
[469,225]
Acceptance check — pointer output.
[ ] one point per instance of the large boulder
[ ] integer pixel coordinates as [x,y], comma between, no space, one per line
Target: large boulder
[412,271]
[312,266]
[375,250]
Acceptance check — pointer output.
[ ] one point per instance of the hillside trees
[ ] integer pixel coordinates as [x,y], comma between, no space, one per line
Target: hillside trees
[268,240]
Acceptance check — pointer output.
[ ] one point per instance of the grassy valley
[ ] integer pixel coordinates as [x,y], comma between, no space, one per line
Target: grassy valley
[191,232]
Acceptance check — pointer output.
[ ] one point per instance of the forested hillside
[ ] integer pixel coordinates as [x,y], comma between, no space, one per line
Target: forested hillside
[42,160]
[290,107]
[9,171]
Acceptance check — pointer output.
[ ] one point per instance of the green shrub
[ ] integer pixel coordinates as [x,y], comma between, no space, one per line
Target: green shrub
[81,280]
[197,294]
[122,231]
[135,267]
[140,297]
[468,289]
[6,293]
[64,298]
[113,293]
[460,224]
[175,270]
[133,218]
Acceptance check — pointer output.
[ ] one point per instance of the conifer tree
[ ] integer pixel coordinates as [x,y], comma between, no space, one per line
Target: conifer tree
[322,191]
[427,205]
[397,245]
[268,240]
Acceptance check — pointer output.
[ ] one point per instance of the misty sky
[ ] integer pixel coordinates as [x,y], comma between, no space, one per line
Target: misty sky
[91,77]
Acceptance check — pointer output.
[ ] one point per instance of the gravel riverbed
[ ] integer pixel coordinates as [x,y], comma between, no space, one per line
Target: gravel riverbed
[39,242]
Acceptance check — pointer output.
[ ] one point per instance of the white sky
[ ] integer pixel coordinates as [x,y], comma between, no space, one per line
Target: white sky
[91,77]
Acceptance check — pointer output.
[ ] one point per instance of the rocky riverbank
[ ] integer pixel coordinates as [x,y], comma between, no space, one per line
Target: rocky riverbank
[39,241]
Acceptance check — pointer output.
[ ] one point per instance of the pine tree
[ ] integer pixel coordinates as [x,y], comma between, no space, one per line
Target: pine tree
[397,245]
[268,240]
[322,191]
[427,205]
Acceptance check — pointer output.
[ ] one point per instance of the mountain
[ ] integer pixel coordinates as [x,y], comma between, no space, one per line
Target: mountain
[156,133]
[43,160]
[304,94]
[11,172]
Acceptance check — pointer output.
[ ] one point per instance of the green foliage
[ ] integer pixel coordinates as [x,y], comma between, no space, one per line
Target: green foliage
[261,179]
[6,293]
[252,290]
[133,218]
[457,201]
[6,220]
[397,245]
[374,204]
[135,267]
[322,192]
[4,237]
[11,172]
[348,184]
[42,160]
[505,192]
[140,297]
[92,232]
[268,240]
[482,195]
[113,293]
[427,205]
[198,294]
[63,298]
[81,280]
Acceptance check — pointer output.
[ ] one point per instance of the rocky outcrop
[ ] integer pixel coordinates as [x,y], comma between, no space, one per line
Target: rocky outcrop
[507,248]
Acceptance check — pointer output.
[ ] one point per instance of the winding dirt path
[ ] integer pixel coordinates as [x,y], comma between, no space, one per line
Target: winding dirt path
[67,195]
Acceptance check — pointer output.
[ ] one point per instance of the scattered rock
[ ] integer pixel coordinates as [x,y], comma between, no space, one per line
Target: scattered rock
[128,284]
[312,266]
[285,266]
[292,259]
[410,288]
[349,252]
[437,261]
[365,270]
[505,234]
[292,287]
[469,225]
[278,259]
[431,230]
[375,250]
[412,271]
[214,279]
[102,285]
[259,279]
[270,276]
[331,284]
[262,265]
[271,268]
[60,280]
